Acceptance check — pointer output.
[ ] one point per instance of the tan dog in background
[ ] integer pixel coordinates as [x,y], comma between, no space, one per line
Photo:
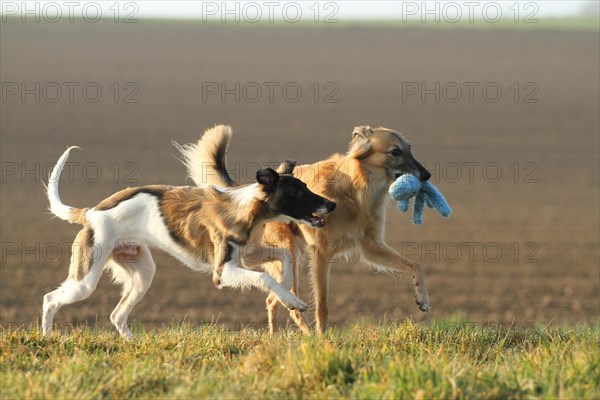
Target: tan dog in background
[358,183]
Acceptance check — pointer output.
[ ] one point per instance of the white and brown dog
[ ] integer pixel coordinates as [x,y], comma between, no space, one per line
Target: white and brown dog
[208,229]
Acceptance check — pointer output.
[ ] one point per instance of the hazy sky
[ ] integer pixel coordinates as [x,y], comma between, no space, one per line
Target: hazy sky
[352,9]
[306,9]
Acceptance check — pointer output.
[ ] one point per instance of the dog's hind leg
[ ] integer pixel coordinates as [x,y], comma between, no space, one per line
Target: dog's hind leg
[135,272]
[296,315]
[272,307]
[290,270]
[86,267]
[273,303]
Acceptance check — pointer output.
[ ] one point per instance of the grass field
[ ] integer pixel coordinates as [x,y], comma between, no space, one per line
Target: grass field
[545,227]
[409,360]
[542,211]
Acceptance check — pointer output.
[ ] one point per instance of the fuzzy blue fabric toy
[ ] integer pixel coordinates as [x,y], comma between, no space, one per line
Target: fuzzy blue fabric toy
[407,186]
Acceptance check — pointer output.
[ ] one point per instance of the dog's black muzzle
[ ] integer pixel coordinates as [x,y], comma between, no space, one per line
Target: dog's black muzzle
[421,171]
[329,206]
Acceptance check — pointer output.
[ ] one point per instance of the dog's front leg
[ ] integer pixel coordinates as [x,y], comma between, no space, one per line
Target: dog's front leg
[320,268]
[381,255]
[255,255]
[223,253]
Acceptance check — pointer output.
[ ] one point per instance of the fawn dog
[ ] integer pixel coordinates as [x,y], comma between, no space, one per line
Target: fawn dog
[358,182]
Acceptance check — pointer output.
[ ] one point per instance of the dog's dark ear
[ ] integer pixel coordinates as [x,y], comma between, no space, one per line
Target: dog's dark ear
[268,178]
[362,132]
[286,167]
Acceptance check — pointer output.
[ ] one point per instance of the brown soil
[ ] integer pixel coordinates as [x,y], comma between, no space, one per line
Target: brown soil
[544,219]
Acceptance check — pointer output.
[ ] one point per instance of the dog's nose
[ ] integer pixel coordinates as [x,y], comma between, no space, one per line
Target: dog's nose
[330,205]
[425,175]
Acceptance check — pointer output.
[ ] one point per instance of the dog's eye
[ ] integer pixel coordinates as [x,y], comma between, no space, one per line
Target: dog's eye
[295,192]
[410,147]
[396,153]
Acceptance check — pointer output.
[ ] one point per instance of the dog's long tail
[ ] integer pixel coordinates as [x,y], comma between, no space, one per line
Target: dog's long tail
[62,211]
[205,160]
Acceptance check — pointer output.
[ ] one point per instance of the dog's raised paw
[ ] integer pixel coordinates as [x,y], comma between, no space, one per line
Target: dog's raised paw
[294,303]
[303,307]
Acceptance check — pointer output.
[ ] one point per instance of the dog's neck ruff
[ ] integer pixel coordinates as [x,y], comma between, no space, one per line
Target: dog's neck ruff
[245,195]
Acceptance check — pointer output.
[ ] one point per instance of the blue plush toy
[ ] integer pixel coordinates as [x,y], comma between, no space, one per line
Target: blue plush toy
[407,186]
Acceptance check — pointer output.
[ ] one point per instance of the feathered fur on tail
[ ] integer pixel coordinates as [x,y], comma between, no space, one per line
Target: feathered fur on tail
[62,211]
[205,160]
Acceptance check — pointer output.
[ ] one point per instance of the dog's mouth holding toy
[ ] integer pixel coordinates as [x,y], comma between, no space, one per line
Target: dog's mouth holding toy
[398,175]
[316,220]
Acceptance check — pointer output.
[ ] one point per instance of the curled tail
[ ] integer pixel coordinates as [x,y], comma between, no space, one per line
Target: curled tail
[205,160]
[62,211]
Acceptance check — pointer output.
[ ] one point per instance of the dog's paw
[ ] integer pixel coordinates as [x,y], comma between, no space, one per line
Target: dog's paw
[126,334]
[422,298]
[423,303]
[303,306]
[217,281]
[294,303]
